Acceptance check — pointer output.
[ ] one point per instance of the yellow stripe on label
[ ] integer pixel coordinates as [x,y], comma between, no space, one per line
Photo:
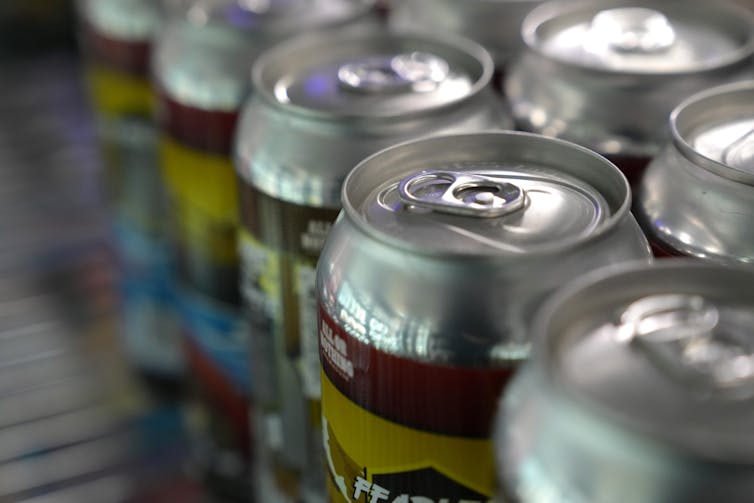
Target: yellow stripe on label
[116,93]
[357,439]
[203,191]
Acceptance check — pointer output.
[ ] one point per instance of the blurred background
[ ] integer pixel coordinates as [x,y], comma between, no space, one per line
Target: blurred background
[77,424]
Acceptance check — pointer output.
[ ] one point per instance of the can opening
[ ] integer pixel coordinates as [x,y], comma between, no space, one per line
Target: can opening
[408,72]
[462,193]
[635,30]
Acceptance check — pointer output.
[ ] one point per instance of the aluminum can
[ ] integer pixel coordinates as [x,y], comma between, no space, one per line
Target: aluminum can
[638,389]
[426,287]
[201,72]
[697,196]
[606,74]
[321,104]
[116,40]
[496,24]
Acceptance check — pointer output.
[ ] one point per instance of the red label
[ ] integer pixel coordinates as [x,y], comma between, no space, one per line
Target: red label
[432,397]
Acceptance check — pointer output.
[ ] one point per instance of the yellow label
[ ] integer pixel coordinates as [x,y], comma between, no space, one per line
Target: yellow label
[372,460]
[203,192]
[116,93]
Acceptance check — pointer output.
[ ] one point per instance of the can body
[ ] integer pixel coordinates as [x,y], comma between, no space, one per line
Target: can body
[287,216]
[424,308]
[117,70]
[582,79]
[705,167]
[636,421]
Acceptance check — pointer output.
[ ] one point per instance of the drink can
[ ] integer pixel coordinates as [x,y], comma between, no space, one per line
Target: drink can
[496,24]
[696,198]
[321,104]
[426,288]
[116,38]
[201,72]
[606,74]
[639,389]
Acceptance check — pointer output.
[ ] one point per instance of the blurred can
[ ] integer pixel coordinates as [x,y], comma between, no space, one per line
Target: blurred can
[639,389]
[426,287]
[496,24]
[697,196]
[321,104]
[201,70]
[606,74]
[116,39]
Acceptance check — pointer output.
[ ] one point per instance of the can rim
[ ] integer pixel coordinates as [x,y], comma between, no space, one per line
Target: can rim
[687,150]
[557,8]
[351,208]
[339,34]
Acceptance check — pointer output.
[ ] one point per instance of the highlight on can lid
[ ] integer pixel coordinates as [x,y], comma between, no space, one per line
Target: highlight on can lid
[639,387]
[697,197]
[131,20]
[640,36]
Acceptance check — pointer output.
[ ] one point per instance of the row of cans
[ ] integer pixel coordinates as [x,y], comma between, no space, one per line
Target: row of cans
[445,248]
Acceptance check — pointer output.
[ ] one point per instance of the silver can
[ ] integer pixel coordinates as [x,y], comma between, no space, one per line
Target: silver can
[639,389]
[426,288]
[697,196]
[496,24]
[321,104]
[606,74]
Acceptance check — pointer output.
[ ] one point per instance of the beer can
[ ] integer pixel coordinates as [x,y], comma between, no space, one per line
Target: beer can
[426,288]
[638,389]
[496,24]
[321,104]
[606,74]
[201,70]
[697,197]
[116,39]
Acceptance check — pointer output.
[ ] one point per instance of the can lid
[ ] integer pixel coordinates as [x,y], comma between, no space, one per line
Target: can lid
[641,36]
[496,193]
[666,350]
[129,20]
[715,130]
[204,56]
[371,74]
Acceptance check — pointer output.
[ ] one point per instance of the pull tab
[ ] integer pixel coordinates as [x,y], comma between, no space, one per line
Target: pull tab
[740,154]
[461,193]
[415,71]
[633,30]
[684,336]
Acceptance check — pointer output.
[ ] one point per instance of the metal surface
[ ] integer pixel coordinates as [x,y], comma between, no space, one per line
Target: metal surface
[650,372]
[129,20]
[302,131]
[607,74]
[204,57]
[697,197]
[576,218]
[496,24]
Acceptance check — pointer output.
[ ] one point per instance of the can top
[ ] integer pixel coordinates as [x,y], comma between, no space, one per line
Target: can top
[641,36]
[715,130]
[129,20]
[485,194]
[371,74]
[667,351]
[204,55]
